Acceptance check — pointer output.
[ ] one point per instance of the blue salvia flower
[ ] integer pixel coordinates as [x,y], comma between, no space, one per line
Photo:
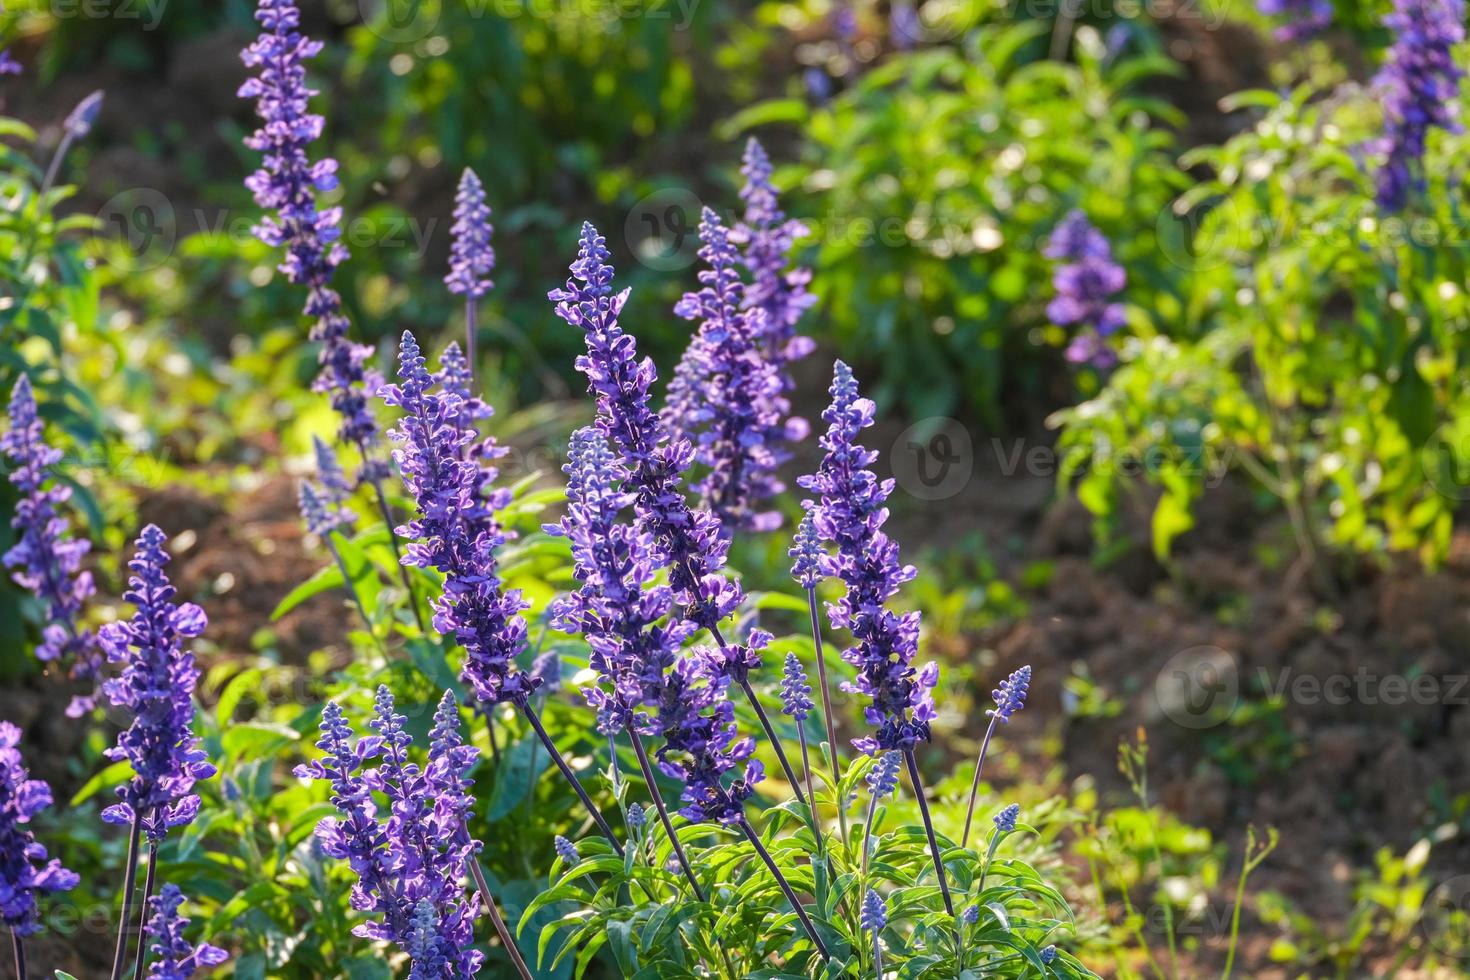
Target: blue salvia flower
[454,532]
[415,856]
[851,514]
[1086,283]
[45,558]
[874,913]
[286,185]
[883,776]
[1302,19]
[567,851]
[971,915]
[320,517]
[157,690]
[796,693]
[702,744]
[1049,955]
[1418,86]
[1010,696]
[1005,820]
[687,541]
[26,873]
[174,957]
[335,487]
[637,817]
[8,64]
[777,289]
[807,555]
[83,116]
[471,256]
[632,636]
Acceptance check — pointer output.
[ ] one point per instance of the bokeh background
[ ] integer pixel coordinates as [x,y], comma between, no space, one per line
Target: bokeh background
[1244,543]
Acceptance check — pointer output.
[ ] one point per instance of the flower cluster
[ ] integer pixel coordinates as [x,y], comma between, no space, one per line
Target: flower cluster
[47,561]
[1418,85]
[1086,284]
[471,256]
[175,957]
[1010,695]
[411,862]
[157,689]
[1005,820]
[287,184]
[1302,19]
[455,531]
[702,744]
[324,502]
[631,633]
[851,513]
[874,913]
[724,392]
[687,541]
[25,871]
[796,692]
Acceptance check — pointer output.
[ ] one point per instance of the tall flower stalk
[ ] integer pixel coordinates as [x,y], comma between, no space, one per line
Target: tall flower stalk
[471,256]
[46,559]
[26,872]
[808,558]
[689,542]
[1009,698]
[455,533]
[1418,85]
[286,187]
[156,688]
[851,512]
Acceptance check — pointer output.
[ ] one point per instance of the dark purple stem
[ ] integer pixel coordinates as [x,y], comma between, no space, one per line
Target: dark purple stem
[975,783]
[663,815]
[471,329]
[765,722]
[148,883]
[806,922]
[908,755]
[571,777]
[19,945]
[811,598]
[125,923]
[501,928]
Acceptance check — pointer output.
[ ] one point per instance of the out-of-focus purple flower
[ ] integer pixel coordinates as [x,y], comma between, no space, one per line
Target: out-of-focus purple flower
[806,552]
[905,29]
[1303,19]
[80,120]
[971,915]
[26,873]
[546,668]
[286,185]
[566,850]
[725,391]
[1418,86]
[1010,695]
[627,622]
[471,256]
[1086,283]
[324,504]
[1005,820]
[796,693]
[818,84]
[851,514]
[874,913]
[882,779]
[8,64]
[687,541]
[455,532]
[411,861]
[45,559]
[157,689]
[175,958]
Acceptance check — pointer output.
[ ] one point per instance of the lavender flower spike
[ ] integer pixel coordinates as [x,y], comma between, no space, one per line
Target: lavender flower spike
[471,257]
[1009,697]
[25,871]
[157,689]
[1005,820]
[796,693]
[176,958]
[1419,85]
[1086,285]
[777,289]
[47,561]
[1302,19]
[873,916]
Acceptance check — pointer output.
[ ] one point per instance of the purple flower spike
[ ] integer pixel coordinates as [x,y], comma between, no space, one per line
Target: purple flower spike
[1086,284]
[80,120]
[1303,19]
[724,391]
[689,542]
[1010,696]
[174,957]
[777,289]
[455,532]
[25,871]
[157,689]
[1418,86]
[45,559]
[796,693]
[567,851]
[851,514]
[883,777]
[702,745]
[471,257]
[287,185]
[874,914]
[1005,820]
[8,64]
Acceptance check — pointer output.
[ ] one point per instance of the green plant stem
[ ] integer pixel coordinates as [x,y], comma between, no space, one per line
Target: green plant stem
[130,872]
[571,777]
[975,783]
[501,929]
[918,784]
[663,815]
[18,945]
[811,600]
[149,880]
[806,922]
